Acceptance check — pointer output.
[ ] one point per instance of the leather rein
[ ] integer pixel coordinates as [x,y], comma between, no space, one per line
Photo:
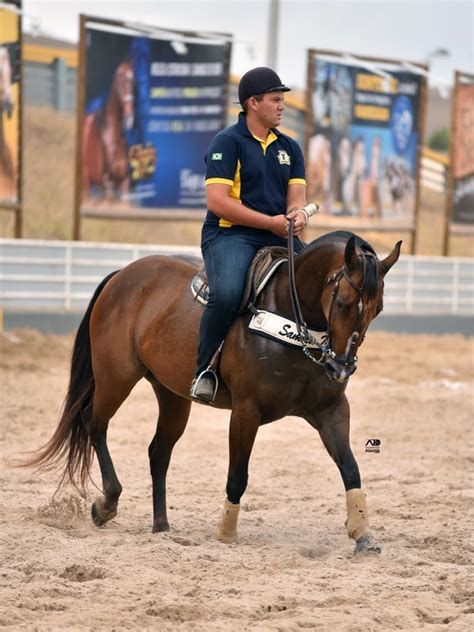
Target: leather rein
[349,359]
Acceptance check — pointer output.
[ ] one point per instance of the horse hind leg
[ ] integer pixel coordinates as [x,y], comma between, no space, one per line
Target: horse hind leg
[110,392]
[172,419]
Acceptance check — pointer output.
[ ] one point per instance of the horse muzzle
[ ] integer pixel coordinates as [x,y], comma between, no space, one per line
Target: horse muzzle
[128,121]
[340,368]
[339,371]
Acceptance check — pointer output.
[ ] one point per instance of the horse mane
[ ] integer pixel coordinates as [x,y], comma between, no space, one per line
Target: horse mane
[371,274]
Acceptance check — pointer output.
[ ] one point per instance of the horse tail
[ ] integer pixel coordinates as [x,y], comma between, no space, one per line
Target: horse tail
[70,447]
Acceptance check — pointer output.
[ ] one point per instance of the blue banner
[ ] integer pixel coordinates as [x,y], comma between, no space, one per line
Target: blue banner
[152,106]
[363,151]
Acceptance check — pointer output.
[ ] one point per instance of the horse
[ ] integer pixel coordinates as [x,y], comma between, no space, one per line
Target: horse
[104,147]
[142,322]
[6,105]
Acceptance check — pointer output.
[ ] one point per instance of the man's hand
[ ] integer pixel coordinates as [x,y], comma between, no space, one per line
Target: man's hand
[299,218]
[279,225]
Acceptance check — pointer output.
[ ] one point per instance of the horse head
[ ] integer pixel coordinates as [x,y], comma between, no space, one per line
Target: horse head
[124,83]
[352,297]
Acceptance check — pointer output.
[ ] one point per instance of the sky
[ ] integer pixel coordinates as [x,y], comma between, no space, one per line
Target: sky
[402,29]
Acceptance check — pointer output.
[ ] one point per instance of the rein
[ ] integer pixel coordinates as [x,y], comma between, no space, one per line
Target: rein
[302,328]
[349,359]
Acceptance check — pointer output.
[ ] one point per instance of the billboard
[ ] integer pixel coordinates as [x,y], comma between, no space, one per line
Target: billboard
[462,151]
[151,103]
[363,139]
[10,118]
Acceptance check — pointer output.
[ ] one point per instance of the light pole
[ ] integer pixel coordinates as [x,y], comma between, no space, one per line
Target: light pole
[443,84]
[272,33]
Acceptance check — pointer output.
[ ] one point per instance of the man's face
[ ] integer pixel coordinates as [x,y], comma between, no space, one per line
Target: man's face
[270,108]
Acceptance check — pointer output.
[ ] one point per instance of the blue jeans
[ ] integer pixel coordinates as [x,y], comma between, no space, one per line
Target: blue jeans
[227,257]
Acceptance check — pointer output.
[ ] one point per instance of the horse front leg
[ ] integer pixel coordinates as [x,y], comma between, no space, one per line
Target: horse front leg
[244,423]
[124,188]
[333,426]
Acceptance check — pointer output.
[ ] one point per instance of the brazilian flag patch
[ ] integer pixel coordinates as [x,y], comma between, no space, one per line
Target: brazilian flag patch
[216,156]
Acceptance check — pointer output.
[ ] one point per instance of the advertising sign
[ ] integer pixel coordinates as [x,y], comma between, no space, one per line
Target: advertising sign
[463,151]
[364,140]
[9,103]
[151,105]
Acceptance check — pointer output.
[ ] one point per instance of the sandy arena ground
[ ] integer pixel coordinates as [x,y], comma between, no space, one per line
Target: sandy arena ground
[293,568]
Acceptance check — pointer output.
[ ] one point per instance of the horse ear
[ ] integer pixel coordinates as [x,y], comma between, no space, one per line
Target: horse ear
[350,256]
[391,259]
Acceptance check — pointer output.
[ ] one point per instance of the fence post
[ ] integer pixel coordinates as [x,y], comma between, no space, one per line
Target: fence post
[59,84]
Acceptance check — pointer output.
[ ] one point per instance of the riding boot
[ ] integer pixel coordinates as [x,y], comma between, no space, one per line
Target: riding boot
[204,387]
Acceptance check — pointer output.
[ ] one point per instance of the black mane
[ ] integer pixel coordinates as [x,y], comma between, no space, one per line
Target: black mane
[344,236]
[371,276]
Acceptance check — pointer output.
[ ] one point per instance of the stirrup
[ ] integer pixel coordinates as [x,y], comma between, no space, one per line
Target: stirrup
[196,381]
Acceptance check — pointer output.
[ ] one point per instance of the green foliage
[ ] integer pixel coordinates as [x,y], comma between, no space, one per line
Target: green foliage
[439,140]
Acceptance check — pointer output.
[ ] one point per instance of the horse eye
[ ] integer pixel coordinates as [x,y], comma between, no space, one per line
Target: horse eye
[343,307]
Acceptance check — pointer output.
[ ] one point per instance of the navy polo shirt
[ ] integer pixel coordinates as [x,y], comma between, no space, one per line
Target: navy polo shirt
[258,171]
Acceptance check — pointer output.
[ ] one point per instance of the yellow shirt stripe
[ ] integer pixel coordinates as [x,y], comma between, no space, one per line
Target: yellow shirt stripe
[219,181]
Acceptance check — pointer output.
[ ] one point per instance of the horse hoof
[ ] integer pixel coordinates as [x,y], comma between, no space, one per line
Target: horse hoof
[161,526]
[228,539]
[99,515]
[367,544]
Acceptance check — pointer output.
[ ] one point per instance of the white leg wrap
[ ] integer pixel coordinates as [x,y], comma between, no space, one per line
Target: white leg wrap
[227,526]
[357,522]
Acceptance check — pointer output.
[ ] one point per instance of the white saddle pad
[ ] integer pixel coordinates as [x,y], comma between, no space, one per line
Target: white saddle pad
[279,328]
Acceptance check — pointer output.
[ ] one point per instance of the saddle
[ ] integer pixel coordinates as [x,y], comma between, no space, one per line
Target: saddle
[264,264]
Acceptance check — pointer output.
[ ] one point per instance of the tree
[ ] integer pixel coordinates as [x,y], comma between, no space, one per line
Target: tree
[439,140]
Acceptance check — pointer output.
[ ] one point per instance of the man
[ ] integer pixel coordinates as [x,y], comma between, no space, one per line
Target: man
[255,185]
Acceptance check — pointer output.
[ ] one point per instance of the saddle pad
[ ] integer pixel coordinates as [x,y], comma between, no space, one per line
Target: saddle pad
[279,328]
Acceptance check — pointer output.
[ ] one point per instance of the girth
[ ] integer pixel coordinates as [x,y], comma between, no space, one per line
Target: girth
[264,264]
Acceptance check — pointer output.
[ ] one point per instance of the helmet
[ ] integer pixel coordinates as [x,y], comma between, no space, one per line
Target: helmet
[259,80]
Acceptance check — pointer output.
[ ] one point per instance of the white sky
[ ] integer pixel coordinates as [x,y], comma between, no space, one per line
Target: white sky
[402,29]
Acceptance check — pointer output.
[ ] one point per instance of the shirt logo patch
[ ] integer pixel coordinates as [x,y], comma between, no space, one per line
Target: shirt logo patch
[216,156]
[283,157]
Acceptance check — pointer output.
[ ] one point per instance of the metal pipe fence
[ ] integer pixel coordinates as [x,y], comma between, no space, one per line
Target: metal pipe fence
[62,276]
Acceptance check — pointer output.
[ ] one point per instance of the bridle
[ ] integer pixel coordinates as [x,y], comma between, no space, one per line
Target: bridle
[349,359]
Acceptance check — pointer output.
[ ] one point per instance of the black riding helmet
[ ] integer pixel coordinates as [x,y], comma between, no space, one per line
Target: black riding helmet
[259,80]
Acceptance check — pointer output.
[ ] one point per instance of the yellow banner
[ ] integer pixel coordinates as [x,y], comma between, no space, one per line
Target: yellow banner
[9,106]
[372,112]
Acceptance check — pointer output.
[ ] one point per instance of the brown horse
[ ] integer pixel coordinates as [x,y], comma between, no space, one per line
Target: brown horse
[143,322]
[104,148]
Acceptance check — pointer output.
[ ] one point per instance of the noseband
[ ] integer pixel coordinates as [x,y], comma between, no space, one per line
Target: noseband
[349,359]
